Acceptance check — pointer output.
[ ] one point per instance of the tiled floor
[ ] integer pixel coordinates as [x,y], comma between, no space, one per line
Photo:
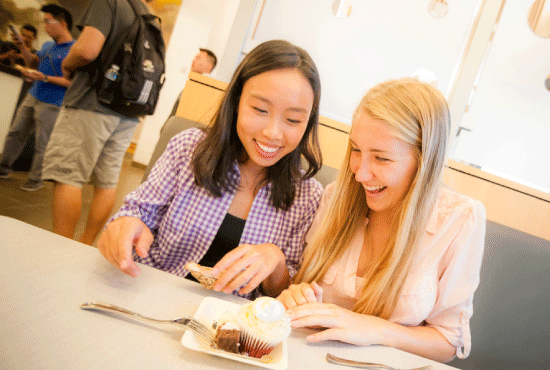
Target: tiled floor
[35,208]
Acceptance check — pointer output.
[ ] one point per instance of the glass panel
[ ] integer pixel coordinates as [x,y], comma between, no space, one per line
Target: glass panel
[509,112]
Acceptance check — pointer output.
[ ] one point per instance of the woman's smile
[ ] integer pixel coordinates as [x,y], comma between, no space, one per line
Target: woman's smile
[267,151]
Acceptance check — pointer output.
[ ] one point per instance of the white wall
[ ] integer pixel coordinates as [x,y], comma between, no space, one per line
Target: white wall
[200,24]
[380,40]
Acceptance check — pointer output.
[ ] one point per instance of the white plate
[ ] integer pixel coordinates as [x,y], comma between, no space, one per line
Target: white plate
[209,311]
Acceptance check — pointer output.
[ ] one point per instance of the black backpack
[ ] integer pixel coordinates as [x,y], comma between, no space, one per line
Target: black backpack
[131,73]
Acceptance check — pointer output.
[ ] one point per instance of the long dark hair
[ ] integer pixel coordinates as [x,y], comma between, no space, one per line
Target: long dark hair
[215,156]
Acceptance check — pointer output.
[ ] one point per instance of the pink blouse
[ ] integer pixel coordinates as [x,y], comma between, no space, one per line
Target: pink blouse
[440,288]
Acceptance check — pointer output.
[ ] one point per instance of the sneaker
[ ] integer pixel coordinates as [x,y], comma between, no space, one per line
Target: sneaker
[4,174]
[32,185]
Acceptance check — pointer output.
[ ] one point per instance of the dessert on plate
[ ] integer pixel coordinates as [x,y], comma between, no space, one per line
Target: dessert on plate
[228,334]
[264,324]
[261,325]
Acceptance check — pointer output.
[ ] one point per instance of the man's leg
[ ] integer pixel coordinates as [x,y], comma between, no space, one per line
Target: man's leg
[45,117]
[65,164]
[105,176]
[21,129]
[67,206]
[100,210]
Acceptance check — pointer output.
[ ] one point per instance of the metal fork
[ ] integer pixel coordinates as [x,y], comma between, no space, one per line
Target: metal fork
[368,365]
[203,334]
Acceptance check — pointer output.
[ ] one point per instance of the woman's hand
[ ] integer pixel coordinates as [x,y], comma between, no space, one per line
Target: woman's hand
[247,266]
[299,294]
[118,240]
[341,324]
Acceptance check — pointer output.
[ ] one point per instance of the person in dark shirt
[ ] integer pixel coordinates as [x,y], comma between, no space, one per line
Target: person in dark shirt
[11,53]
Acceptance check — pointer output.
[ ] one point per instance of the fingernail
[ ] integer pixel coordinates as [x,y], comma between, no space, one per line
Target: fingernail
[214,272]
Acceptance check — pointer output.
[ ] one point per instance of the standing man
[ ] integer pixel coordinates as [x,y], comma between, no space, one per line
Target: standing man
[89,140]
[204,62]
[41,104]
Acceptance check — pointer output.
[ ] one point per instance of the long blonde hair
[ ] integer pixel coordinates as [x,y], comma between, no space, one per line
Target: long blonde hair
[419,115]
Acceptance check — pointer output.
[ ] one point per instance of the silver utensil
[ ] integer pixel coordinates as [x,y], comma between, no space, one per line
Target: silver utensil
[203,334]
[368,365]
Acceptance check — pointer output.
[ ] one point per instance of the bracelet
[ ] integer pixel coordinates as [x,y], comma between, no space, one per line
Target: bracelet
[45,79]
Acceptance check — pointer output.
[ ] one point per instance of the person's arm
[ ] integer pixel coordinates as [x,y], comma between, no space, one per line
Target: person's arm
[30,58]
[118,240]
[460,277]
[57,80]
[135,224]
[35,75]
[248,266]
[299,294]
[281,277]
[10,54]
[272,266]
[311,194]
[364,330]
[84,51]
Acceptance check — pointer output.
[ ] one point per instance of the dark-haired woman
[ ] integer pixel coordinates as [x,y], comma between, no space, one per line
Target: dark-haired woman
[233,197]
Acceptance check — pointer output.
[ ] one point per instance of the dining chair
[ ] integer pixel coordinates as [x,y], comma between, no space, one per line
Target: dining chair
[173,126]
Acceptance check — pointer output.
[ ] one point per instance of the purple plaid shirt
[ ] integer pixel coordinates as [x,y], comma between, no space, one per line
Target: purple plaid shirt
[185,218]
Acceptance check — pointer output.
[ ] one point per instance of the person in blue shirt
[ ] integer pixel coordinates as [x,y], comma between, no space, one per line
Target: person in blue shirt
[38,111]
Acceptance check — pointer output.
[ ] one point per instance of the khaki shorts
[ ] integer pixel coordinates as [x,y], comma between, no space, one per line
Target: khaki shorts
[87,145]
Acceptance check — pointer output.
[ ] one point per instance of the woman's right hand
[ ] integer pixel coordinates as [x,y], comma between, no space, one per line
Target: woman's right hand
[299,294]
[120,237]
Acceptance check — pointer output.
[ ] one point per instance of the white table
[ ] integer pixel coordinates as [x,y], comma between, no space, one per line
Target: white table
[45,277]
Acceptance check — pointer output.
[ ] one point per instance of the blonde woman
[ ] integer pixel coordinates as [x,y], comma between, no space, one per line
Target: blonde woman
[393,256]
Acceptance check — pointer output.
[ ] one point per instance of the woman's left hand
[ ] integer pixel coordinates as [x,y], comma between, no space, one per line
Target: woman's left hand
[341,324]
[247,266]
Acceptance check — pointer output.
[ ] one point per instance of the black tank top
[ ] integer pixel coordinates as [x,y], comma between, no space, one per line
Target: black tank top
[227,239]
